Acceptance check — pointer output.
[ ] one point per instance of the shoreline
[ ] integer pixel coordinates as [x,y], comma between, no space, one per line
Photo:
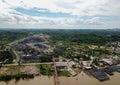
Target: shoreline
[82,78]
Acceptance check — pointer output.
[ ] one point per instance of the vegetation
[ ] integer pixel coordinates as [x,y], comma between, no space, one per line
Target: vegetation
[99,37]
[7,36]
[6,56]
[64,73]
[46,69]
[45,59]
[96,61]
[17,77]
[68,37]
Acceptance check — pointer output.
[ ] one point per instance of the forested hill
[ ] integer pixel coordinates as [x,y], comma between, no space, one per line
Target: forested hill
[75,36]
[7,36]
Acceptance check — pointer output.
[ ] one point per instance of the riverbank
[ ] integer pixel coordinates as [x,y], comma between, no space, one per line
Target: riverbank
[81,79]
[41,80]
[13,70]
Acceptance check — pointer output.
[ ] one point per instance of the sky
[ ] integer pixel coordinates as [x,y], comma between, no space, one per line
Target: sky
[66,14]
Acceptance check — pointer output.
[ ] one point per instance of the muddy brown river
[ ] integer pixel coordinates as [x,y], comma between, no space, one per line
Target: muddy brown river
[81,79]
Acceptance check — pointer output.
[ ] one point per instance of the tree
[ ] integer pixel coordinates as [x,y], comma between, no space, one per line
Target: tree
[96,61]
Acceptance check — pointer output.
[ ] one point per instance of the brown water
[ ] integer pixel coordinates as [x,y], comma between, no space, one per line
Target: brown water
[81,79]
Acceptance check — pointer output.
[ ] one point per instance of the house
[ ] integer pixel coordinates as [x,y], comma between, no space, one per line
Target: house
[87,67]
[61,65]
[107,61]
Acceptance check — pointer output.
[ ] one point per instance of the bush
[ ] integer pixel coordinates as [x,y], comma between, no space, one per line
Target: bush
[17,77]
[64,73]
[46,69]
[6,55]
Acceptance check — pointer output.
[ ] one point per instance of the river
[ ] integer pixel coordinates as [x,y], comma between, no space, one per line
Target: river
[81,79]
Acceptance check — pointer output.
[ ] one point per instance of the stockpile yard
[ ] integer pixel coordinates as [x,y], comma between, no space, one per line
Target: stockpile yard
[32,48]
[101,74]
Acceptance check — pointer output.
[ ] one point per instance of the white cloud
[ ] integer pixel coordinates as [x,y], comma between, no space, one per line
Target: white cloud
[78,8]
[28,21]
[75,7]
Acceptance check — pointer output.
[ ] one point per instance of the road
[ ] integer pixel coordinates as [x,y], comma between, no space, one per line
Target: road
[25,64]
[17,56]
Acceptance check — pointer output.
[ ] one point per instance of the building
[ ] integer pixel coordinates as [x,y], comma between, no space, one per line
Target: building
[87,67]
[108,61]
[61,65]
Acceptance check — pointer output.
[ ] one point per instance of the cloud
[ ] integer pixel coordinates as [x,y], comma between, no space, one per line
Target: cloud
[74,7]
[71,13]
[28,21]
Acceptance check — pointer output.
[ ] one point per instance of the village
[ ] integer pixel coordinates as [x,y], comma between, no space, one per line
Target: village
[34,50]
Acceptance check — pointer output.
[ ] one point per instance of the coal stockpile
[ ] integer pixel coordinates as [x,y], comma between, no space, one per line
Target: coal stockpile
[40,46]
[99,74]
[118,70]
[33,40]
[111,69]
[114,68]
[108,71]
